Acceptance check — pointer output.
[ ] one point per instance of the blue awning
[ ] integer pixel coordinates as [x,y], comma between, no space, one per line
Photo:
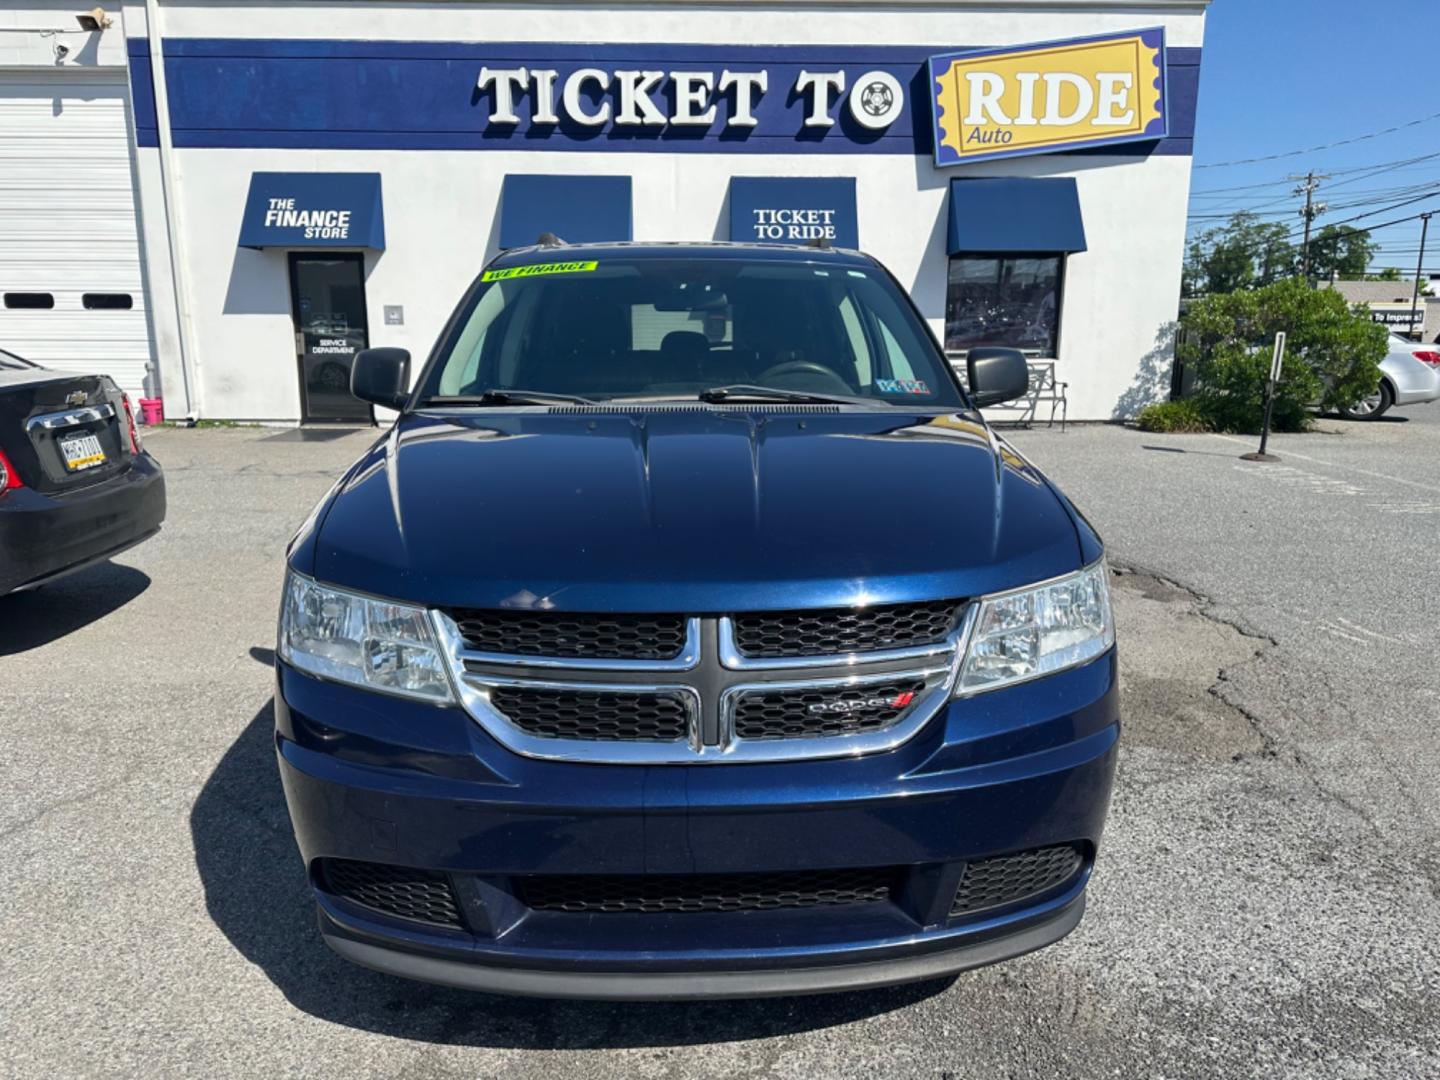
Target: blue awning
[794,210]
[577,209]
[326,210]
[993,214]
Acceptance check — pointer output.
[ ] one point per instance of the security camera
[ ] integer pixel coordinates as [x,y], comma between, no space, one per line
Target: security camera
[61,51]
[95,19]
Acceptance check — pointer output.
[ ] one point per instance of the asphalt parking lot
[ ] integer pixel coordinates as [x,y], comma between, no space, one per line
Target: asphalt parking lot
[1267,900]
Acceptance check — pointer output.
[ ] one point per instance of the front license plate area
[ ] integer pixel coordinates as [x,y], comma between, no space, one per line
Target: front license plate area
[82,452]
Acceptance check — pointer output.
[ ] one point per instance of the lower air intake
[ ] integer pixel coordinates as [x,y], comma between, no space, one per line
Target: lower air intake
[657,893]
[398,891]
[1009,879]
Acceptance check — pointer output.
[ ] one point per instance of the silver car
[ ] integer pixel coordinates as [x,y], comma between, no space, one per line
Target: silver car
[1409,375]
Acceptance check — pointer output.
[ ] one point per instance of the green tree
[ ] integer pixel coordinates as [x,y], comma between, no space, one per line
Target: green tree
[1390,273]
[1341,251]
[1244,253]
[1332,355]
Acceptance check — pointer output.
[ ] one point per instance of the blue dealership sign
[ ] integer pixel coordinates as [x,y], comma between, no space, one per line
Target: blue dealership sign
[328,210]
[342,94]
[794,210]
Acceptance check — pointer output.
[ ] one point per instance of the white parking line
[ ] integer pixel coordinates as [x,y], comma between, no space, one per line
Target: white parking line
[1406,508]
[1331,465]
[1293,477]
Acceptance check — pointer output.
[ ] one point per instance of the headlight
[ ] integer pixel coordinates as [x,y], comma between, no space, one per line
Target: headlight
[360,640]
[1031,632]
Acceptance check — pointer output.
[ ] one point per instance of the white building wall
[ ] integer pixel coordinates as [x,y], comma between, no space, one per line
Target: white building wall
[442,225]
[441,207]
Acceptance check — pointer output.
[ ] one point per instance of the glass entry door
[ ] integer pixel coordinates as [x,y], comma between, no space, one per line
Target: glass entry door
[328,294]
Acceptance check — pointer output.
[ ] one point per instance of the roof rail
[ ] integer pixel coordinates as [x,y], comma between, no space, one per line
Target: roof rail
[549,239]
[821,242]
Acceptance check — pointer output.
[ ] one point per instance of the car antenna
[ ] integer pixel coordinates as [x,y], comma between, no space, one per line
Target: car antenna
[549,239]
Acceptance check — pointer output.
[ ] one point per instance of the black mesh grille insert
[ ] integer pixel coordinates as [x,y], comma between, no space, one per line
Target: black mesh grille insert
[795,714]
[592,637]
[606,716]
[767,635]
[656,893]
[1006,879]
[421,895]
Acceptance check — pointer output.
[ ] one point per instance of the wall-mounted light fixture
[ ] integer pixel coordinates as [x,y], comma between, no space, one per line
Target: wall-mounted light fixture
[95,19]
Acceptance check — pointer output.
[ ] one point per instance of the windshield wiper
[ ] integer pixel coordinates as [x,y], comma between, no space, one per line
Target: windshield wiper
[770,393]
[508,397]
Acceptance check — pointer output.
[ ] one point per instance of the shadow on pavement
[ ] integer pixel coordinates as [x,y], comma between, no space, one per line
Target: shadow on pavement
[31,619]
[1387,418]
[255,890]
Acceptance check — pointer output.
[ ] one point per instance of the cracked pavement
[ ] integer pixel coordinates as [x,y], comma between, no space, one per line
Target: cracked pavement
[1265,901]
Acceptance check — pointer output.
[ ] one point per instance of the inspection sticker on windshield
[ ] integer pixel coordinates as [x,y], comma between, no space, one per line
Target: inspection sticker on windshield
[538,268]
[902,386]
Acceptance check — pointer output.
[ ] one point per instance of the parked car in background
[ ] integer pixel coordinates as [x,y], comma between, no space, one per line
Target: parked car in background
[1409,375]
[76,486]
[638,661]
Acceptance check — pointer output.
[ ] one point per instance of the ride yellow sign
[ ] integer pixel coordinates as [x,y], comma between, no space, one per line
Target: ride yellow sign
[1033,99]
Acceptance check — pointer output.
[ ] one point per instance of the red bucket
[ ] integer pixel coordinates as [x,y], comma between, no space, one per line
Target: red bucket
[153,410]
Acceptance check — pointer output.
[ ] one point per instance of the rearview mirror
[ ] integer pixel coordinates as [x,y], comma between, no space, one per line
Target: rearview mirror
[996,375]
[381,376]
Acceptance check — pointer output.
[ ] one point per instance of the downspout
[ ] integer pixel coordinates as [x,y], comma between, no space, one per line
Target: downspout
[189,361]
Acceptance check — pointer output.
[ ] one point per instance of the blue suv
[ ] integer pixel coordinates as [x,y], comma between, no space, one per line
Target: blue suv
[691,635]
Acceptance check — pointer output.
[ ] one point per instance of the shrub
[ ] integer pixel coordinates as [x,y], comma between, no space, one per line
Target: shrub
[1332,355]
[1174,416]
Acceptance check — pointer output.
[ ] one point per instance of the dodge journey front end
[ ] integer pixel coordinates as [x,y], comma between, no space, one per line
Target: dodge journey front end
[690,634]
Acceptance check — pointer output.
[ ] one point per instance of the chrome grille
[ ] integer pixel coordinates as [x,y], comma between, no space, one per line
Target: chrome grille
[571,636]
[603,716]
[701,701]
[811,712]
[774,634]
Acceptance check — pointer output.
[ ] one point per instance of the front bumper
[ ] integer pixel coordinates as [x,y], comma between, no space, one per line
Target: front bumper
[44,536]
[382,780]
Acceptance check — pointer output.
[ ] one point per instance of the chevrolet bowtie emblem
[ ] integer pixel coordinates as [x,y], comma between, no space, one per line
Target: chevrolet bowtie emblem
[75,397]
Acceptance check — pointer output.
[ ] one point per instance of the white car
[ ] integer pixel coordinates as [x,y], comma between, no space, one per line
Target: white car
[1409,375]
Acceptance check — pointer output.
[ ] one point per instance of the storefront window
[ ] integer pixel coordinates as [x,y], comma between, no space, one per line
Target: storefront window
[1009,300]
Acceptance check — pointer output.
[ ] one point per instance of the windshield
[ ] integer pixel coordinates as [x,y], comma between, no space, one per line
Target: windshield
[679,328]
[10,362]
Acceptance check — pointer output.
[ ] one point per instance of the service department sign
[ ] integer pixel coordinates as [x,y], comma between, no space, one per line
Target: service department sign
[1035,99]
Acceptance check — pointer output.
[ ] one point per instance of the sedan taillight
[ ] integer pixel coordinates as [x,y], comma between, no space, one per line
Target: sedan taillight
[1428,357]
[9,478]
[130,419]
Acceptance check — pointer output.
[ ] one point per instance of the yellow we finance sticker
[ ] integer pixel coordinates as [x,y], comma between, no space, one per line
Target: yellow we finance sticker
[538,269]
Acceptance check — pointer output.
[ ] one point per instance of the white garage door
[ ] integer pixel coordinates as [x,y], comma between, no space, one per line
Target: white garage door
[69,242]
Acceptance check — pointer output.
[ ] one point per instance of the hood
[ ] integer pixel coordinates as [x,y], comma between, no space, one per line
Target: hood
[693,510]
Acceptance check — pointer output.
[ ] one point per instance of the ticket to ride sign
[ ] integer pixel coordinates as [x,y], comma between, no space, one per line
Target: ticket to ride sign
[1034,99]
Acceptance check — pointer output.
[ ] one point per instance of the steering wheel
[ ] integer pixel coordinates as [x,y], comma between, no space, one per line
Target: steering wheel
[803,367]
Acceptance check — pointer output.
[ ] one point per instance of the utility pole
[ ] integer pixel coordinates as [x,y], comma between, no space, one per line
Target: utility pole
[1419,269]
[1310,183]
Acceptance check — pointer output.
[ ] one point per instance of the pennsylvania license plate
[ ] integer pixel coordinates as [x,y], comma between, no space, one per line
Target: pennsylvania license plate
[84,452]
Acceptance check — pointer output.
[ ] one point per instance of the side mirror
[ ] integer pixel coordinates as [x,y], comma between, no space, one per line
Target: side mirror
[996,375]
[381,376]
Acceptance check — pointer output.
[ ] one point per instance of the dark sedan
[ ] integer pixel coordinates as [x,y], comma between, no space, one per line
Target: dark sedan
[76,487]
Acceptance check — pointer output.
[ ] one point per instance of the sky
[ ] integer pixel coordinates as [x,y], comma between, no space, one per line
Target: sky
[1279,76]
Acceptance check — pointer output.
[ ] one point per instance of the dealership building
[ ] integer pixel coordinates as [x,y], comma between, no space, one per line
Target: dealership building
[219,203]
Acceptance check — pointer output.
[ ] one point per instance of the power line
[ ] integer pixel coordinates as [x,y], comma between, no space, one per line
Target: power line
[1378,195]
[1324,146]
